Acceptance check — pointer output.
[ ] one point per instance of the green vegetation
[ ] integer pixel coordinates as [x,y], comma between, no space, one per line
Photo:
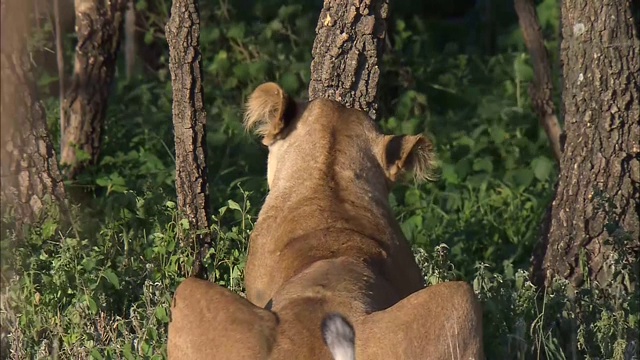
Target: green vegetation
[107,293]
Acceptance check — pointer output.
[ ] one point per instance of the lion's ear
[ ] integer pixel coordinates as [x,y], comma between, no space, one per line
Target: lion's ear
[409,154]
[268,110]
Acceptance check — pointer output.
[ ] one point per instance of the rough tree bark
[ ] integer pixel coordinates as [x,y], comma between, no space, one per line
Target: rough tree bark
[30,172]
[189,122]
[597,199]
[541,90]
[99,28]
[349,43]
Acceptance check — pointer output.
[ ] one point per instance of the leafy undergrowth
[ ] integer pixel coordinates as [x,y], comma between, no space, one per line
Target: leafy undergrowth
[103,289]
[108,297]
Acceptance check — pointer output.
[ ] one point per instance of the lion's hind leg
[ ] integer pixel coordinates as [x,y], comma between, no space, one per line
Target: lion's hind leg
[442,321]
[211,322]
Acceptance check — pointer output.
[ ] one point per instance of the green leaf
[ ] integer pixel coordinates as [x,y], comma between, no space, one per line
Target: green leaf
[392,200]
[234,205]
[89,263]
[449,173]
[412,197]
[116,183]
[522,69]
[220,63]
[392,123]
[287,11]
[548,14]
[274,26]
[230,83]
[148,37]
[498,135]
[463,167]
[483,164]
[49,228]
[93,307]
[542,167]
[81,155]
[258,69]
[146,348]
[152,333]
[222,210]
[126,351]
[241,72]
[103,181]
[95,354]
[236,32]
[477,180]
[217,139]
[411,225]
[112,277]
[141,5]
[520,177]
[161,314]
[290,82]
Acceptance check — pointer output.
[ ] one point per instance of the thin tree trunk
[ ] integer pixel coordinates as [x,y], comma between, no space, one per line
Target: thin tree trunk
[597,206]
[60,63]
[130,38]
[99,28]
[541,90]
[30,175]
[189,122]
[346,52]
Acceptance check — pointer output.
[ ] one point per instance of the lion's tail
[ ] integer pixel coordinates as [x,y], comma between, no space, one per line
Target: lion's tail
[339,336]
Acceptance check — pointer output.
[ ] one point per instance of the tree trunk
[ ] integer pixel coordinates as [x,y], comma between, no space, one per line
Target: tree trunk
[346,52]
[99,28]
[541,90]
[597,206]
[189,122]
[30,175]
[130,39]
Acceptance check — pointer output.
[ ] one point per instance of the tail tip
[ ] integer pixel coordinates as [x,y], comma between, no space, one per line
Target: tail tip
[339,336]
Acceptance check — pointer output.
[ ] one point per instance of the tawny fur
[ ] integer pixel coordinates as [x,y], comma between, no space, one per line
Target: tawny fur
[326,241]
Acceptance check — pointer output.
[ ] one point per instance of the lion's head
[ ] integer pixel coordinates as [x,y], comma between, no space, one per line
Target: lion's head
[301,136]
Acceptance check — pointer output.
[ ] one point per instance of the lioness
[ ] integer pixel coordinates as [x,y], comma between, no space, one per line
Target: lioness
[325,242]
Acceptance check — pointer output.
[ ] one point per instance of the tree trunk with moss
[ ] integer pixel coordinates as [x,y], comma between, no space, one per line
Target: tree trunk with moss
[346,52]
[189,122]
[30,175]
[596,212]
[98,28]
